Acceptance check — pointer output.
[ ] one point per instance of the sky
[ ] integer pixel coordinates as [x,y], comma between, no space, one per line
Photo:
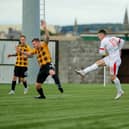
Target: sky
[64,12]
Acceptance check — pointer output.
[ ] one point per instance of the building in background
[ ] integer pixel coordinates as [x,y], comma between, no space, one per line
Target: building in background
[126,21]
[13,31]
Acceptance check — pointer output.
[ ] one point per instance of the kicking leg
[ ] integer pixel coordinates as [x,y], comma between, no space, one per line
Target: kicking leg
[90,68]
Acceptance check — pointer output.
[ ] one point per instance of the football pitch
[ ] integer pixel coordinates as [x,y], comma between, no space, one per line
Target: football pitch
[81,106]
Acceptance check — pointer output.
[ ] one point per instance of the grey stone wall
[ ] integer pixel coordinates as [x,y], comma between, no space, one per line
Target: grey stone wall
[80,54]
[76,55]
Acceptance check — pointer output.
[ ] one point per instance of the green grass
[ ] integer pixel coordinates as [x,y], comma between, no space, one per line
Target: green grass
[82,106]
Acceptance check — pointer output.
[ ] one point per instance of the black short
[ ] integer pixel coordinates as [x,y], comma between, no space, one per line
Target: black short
[44,72]
[20,71]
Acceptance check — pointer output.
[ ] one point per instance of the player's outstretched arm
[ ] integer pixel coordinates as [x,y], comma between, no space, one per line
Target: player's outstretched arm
[11,55]
[44,27]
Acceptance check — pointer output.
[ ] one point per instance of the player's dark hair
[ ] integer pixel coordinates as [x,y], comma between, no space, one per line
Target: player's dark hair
[35,40]
[22,36]
[102,31]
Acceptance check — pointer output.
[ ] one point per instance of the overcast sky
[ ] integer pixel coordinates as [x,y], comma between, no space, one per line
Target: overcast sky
[63,12]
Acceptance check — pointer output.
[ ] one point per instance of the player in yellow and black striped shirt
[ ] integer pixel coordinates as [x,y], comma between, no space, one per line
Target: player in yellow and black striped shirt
[44,59]
[20,69]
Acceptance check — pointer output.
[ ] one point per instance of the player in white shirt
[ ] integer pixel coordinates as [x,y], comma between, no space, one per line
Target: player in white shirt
[110,48]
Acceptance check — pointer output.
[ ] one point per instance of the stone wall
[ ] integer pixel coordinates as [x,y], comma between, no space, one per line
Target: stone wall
[75,55]
[80,54]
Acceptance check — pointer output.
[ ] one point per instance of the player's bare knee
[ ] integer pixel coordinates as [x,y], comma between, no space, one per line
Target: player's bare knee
[113,77]
[51,72]
[100,63]
[97,62]
[14,78]
[37,85]
[22,79]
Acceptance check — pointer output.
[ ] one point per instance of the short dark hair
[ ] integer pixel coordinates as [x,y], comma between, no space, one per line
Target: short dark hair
[35,40]
[22,36]
[102,31]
